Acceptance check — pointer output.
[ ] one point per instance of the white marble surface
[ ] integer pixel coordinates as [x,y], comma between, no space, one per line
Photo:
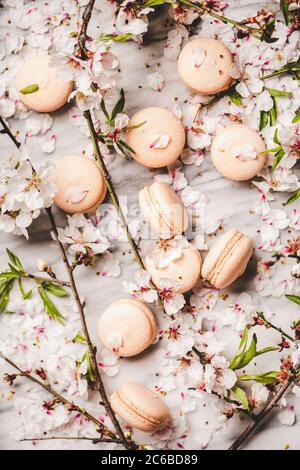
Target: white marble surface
[230,201]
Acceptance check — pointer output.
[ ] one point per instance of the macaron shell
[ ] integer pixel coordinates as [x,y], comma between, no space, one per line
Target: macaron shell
[163,210]
[140,407]
[156,121]
[75,171]
[214,73]
[222,152]
[134,321]
[52,94]
[184,271]
[227,259]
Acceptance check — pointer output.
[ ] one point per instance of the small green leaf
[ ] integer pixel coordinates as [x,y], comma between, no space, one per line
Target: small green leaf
[277,158]
[119,105]
[15,260]
[293,198]
[153,3]
[8,275]
[4,295]
[126,146]
[241,396]
[90,372]
[266,378]
[79,339]
[284,7]
[103,107]
[236,98]
[263,120]
[115,37]
[25,295]
[274,92]
[273,113]
[55,289]
[297,117]
[275,138]
[49,306]
[293,298]
[29,89]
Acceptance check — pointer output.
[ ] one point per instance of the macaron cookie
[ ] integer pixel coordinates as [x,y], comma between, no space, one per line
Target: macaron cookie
[50,93]
[80,184]
[238,152]
[204,65]
[227,259]
[157,137]
[140,407]
[184,271]
[127,327]
[163,210]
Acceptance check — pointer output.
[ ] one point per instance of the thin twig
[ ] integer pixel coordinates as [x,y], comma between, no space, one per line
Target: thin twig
[271,325]
[95,440]
[62,399]
[6,130]
[257,32]
[42,279]
[92,350]
[83,37]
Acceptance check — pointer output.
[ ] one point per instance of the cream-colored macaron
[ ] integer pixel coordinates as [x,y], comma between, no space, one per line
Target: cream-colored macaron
[140,407]
[52,93]
[204,65]
[163,210]
[227,259]
[184,271]
[80,184]
[157,137]
[238,152]
[127,327]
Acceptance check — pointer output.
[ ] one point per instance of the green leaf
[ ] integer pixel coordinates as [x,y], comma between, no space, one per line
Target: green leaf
[284,7]
[236,98]
[153,3]
[8,275]
[115,37]
[293,198]
[293,298]
[90,372]
[119,105]
[25,295]
[4,295]
[266,378]
[273,113]
[79,339]
[263,120]
[103,107]
[126,146]
[15,260]
[297,117]
[55,289]
[241,396]
[274,92]
[29,89]
[275,138]
[244,355]
[49,306]
[277,158]
[241,349]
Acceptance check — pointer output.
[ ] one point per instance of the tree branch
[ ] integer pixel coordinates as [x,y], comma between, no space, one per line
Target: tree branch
[62,399]
[83,37]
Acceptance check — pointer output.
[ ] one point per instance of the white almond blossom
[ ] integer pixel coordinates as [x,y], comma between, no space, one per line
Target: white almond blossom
[82,236]
[140,288]
[156,81]
[166,251]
